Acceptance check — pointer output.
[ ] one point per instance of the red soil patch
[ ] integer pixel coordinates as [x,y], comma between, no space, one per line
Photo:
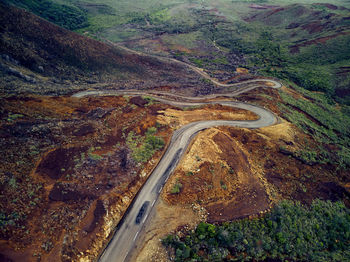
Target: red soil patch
[249,198]
[329,6]
[58,162]
[227,191]
[321,40]
[68,192]
[61,186]
[255,6]
[139,101]
[266,15]
[314,27]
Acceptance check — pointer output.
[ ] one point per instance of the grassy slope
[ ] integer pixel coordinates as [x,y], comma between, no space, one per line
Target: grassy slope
[68,56]
[34,42]
[224,24]
[227,28]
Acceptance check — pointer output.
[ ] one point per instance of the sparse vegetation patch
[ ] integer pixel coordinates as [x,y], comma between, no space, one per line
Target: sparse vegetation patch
[143,148]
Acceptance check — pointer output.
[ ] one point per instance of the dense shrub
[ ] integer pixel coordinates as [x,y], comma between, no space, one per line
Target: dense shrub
[291,231]
[69,17]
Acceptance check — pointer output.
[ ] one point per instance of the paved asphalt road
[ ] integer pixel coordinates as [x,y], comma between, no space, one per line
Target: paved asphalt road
[124,239]
[128,230]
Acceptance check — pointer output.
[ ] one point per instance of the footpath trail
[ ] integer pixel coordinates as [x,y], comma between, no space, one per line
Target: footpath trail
[134,219]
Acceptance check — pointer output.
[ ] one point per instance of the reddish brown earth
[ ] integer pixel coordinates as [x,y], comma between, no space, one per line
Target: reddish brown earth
[247,171]
[176,118]
[64,164]
[229,173]
[226,187]
[68,174]
[255,6]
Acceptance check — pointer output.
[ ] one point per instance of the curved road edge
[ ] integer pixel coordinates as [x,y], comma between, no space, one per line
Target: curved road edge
[128,229]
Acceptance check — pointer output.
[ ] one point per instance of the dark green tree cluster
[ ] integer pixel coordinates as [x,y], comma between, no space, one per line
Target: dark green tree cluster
[291,231]
[67,16]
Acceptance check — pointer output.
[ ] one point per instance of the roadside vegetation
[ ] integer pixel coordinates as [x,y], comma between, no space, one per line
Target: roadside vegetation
[143,147]
[291,231]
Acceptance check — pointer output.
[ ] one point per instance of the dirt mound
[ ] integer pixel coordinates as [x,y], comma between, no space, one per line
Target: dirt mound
[250,196]
[224,183]
[139,101]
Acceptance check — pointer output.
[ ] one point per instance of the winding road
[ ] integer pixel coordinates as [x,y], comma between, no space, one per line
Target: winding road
[128,230]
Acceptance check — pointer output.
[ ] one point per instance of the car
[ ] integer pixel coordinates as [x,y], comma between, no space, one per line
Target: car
[141,212]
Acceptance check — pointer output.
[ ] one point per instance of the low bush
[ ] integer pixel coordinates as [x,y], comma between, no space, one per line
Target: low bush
[143,148]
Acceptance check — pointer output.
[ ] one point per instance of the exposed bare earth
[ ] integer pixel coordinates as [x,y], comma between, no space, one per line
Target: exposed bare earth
[72,175]
[217,174]
[166,217]
[229,173]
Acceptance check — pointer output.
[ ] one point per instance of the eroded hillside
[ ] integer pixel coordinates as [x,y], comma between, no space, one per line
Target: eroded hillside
[235,173]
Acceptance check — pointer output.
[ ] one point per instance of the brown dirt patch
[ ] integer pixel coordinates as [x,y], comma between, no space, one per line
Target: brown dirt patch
[68,192]
[139,101]
[241,70]
[58,162]
[291,92]
[72,175]
[166,220]
[220,180]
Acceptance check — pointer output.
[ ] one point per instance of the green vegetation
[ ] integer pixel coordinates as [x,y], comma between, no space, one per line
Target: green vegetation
[143,148]
[67,16]
[223,185]
[159,16]
[316,67]
[12,117]
[91,155]
[9,219]
[177,188]
[291,231]
[150,100]
[95,157]
[321,119]
[265,42]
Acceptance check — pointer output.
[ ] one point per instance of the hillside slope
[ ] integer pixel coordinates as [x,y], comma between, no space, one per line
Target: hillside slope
[40,57]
